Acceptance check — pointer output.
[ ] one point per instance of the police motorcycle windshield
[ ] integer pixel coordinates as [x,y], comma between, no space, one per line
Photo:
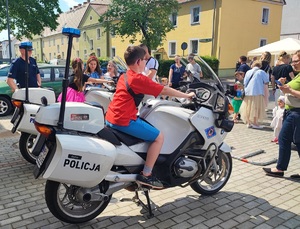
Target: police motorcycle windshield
[209,76]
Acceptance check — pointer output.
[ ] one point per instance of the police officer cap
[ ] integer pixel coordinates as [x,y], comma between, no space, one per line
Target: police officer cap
[25,45]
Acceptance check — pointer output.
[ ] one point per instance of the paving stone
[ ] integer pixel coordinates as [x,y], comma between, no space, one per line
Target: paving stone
[166,224]
[229,224]
[292,223]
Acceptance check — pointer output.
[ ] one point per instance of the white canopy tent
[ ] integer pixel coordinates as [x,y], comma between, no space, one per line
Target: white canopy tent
[289,45]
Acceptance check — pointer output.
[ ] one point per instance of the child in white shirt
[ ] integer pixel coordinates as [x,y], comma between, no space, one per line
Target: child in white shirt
[276,123]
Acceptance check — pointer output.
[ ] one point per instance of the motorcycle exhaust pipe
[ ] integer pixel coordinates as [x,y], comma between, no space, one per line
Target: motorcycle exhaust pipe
[117,177]
[87,195]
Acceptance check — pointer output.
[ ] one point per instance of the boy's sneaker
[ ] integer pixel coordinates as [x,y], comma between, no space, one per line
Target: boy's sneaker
[150,181]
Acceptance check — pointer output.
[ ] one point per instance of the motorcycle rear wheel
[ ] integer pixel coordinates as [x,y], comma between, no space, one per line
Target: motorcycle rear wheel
[216,178]
[26,142]
[63,204]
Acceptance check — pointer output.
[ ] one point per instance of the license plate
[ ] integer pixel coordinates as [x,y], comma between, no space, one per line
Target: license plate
[40,159]
[15,115]
[17,120]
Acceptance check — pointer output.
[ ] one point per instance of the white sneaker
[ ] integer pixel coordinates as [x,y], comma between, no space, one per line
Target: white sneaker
[257,127]
[249,125]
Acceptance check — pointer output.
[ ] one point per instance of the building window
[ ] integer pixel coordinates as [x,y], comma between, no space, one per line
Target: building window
[84,35]
[91,44]
[262,42]
[62,55]
[172,48]
[53,41]
[91,18]
[113,52]
[195,14]
[98,52]
[49,43]
[98,34]
[50,57]
[58,50]
[85,54]
[173,19]
[62,40]
[43,44]
[77,53]
[265,16]
[54,55]
[194,46]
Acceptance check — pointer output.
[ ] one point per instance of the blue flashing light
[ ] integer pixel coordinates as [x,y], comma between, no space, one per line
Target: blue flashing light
[71,32]
[26,44]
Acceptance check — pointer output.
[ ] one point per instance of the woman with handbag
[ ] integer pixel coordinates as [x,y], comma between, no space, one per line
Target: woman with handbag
[253,106]
[290,131]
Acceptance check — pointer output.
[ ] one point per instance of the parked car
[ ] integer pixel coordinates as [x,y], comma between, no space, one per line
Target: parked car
[52,76]
[4,68]
[58,61]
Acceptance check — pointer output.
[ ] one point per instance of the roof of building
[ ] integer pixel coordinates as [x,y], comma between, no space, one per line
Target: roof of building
[73,17]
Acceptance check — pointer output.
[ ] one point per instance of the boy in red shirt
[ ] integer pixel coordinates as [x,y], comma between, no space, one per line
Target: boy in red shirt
[122,111]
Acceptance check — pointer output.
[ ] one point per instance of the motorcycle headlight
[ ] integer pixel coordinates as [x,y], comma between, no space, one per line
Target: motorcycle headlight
[220,104]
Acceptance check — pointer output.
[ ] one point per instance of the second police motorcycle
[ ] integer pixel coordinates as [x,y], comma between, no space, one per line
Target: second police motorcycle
[28,100]
[85,162]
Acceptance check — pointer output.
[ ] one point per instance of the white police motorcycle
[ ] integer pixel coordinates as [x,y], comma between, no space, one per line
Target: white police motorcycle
[85,162]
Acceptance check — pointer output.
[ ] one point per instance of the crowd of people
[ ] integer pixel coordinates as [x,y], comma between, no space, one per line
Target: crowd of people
[253,80]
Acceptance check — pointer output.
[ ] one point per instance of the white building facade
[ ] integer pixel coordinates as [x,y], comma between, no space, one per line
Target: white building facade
[290,20]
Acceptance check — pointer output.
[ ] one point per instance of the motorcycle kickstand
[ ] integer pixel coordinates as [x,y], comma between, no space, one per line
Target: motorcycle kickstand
[136,199]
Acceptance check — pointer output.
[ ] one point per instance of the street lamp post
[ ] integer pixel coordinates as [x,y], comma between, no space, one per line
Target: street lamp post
[8,31]
[213,29]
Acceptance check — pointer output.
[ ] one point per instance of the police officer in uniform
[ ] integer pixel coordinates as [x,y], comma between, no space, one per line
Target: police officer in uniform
[17,70]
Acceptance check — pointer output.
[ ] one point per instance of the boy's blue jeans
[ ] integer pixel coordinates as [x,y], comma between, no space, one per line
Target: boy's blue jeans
[289,133]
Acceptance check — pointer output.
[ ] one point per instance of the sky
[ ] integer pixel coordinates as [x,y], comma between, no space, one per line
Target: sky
[65,5]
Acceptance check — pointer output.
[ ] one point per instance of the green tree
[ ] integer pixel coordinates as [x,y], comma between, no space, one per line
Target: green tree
[151,18]
[29,17]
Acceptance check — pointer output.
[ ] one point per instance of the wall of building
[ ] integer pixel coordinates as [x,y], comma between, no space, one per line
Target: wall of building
[240,30]
[185,31]
[290,20]
[88,27]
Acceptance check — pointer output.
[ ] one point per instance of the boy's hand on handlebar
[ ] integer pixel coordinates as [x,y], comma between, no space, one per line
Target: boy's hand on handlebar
[191,95]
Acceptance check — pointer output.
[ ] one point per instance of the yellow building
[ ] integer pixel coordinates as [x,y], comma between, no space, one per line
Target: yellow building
[93,38]
[51,44]
[225,29]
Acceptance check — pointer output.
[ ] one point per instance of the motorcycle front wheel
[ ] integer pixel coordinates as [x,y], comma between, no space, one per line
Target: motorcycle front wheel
[26,142]
[63,203]
[218,175]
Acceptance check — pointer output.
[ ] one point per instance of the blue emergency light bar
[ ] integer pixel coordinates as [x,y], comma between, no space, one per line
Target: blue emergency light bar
[71,32]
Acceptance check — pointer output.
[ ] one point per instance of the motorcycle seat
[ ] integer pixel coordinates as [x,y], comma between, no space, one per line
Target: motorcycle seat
[127,139]
[107,134]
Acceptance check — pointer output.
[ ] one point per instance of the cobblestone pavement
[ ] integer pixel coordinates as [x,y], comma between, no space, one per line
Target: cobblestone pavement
[250,199]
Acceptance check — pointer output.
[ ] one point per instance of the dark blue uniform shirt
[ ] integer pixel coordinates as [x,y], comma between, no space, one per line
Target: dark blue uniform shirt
[17,71]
